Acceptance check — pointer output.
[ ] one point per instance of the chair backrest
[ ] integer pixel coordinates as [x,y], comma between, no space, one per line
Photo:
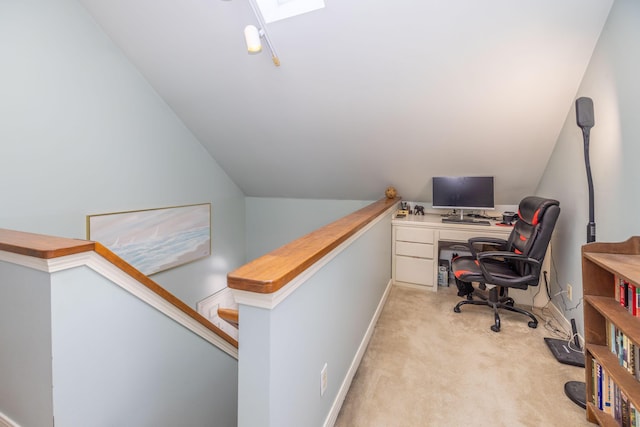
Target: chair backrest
[531,234]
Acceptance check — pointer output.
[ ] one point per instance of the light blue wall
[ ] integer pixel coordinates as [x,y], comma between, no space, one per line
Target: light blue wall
[612,81]
[119,362]
[324,321]
[83,133]
[25,346]
[273,222]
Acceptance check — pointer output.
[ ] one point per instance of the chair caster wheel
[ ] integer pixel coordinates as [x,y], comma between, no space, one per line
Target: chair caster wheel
[496,326]
[456,309]
[533,324]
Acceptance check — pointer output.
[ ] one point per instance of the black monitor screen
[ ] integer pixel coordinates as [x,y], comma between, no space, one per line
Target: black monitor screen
[463,192]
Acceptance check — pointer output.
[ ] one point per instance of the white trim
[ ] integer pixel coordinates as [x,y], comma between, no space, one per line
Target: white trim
[47,265]
[7,422]
[126,282]
[25,261]
[346,383]
[209,306]
[271,301]
[73,261]
[425,288]
[559,317]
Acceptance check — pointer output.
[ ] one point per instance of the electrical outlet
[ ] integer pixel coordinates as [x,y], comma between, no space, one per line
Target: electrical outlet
[569,292]
[323,380]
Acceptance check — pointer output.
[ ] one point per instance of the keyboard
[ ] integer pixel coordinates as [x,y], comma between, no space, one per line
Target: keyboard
[467,221]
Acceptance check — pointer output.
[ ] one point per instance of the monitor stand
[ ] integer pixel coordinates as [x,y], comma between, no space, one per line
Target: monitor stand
[456,218]
[463,220]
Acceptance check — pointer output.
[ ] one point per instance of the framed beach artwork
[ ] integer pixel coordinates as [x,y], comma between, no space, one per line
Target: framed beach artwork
[155,240]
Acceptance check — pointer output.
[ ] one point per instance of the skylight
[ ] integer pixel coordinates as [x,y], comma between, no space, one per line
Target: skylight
[275,10]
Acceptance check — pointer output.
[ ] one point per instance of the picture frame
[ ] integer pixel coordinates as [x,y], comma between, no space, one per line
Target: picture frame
[155,240]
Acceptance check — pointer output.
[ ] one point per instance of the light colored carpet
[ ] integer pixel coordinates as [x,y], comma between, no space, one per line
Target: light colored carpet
[428,366]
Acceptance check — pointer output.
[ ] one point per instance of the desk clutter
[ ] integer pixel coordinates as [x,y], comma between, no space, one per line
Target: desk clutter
[404,209]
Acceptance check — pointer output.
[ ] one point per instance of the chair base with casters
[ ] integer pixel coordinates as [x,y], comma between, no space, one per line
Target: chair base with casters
[497,299]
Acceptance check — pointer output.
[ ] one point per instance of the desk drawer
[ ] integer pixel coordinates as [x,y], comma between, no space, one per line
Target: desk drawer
[411,234]
[422,250]
[414,270]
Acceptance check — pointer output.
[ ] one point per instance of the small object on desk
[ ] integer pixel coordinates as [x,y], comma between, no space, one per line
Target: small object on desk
[400,215]
[508,217]
[418,210]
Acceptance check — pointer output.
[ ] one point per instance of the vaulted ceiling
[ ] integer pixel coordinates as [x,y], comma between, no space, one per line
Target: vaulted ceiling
[368,94]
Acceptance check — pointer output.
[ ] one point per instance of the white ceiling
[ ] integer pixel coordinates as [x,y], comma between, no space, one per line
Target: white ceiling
[388,94]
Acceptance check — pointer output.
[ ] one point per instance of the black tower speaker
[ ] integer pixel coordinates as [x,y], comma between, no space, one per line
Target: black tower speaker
[585,119]
[584,112]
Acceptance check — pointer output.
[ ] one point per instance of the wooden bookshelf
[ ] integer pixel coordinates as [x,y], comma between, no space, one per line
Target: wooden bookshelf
[603,264]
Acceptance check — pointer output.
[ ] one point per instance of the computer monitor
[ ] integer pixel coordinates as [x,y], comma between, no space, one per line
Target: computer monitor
[463,192]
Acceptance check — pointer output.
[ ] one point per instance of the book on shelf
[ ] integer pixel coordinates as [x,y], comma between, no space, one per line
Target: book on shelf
[628,295]
[626,351]
[611,399]
[608,393]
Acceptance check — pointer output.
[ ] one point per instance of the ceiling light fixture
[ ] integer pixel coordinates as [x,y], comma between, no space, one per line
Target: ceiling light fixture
[253,36]
[252,39]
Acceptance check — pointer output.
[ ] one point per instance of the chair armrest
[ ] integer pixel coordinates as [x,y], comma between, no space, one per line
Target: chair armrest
[492,240]
[500,244]
[484,257]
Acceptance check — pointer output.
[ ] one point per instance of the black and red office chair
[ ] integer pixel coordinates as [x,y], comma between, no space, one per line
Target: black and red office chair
[513,263]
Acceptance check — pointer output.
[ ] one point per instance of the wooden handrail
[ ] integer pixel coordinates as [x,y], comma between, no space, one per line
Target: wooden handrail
[230,315]
[49,247]
[272,271]
[40,245]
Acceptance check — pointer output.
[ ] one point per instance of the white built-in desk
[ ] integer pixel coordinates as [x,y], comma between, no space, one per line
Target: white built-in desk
[416,245]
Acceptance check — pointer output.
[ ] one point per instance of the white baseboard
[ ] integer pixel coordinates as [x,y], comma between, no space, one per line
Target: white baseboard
[6,421]
[417,287]
[563,321]
[346,383]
